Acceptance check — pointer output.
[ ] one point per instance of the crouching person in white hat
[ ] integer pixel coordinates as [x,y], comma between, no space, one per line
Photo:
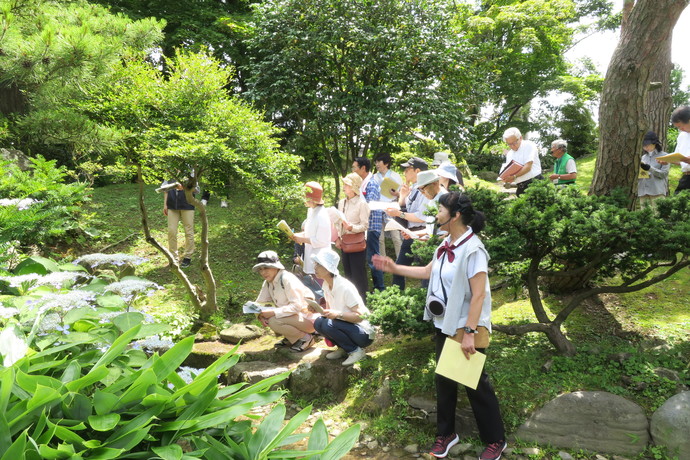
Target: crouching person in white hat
[342,320]
[290,317]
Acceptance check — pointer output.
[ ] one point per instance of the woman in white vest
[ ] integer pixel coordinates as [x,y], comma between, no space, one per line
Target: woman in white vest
[459,304]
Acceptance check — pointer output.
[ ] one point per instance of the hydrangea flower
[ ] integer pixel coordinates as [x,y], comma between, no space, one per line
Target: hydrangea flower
[153,343]
[64,302]
[128,289]
[119,259]
[7,313]
[21,203]
[189,373]
[56,279]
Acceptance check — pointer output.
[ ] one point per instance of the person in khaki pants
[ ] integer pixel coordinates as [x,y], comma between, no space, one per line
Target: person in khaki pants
[176,207]
[289,315]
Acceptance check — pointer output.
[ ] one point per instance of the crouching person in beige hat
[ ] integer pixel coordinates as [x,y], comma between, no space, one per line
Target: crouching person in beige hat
[342,320]
[290,316]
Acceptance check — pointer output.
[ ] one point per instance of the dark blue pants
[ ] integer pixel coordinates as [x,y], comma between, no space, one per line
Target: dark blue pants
[403,259]
[373,248]
[347,336]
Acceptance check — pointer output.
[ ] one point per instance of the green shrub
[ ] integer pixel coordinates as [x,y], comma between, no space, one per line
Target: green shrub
[38,207]
[399,313]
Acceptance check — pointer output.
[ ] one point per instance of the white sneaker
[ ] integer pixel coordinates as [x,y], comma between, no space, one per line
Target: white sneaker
[204,202]
[223,204]
[337,354]
[355,356]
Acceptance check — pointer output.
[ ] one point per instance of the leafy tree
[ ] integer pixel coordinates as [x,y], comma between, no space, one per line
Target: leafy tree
[580,246]
[645,39]
[54,53]
[350,77]
[183,126]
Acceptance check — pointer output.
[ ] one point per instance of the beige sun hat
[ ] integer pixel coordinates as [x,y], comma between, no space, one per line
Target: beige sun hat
[267,259]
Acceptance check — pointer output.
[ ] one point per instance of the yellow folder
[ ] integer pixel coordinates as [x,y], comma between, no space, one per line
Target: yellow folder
[455,366]
[671,157]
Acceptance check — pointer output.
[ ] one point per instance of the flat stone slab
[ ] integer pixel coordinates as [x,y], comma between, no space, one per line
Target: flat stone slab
[670,425]
[253,372]
[240,332]
[596,421]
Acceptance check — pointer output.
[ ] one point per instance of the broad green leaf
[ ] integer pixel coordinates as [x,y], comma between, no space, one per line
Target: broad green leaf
[118,346]
[267,432]
[218,418]
[77,314]
[289,428]
[342,444]
[105,453]
[5,435]
[41,366]
[129,440]
[6,384]
[318,438]
[72,268]
[171,452]
[66,434]
[155,399]
[92,443]
[36,264]
[137,423]
[96,374]
[136,358]
[104,402]
[49,453]
[77,406]
[105,422]
[71,372]
[139,389]
[126,321]
[148,330]
[83,325]
[16,450]
[173,358]
[111,301]
[43,396]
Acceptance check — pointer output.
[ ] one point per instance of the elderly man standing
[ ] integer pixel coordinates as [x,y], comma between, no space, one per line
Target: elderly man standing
[564,169]
[524,153]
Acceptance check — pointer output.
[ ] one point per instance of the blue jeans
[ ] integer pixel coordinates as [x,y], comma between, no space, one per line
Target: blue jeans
[373,248]
[348,336]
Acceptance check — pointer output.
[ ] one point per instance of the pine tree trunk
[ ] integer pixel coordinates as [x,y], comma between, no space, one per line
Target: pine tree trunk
[646,33]
[659,99]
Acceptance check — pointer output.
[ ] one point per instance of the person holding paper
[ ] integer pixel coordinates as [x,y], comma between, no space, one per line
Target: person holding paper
[356,221]
[412,206]
[317,228]
[681,120]
[459,304]
[383,164]
[655,183]
[564,168]
[290,317]
[342,320]
[525,153]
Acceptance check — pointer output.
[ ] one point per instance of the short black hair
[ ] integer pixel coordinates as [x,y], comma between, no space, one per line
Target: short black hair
[457,202]
[681,115]
[385,158]
[361,161]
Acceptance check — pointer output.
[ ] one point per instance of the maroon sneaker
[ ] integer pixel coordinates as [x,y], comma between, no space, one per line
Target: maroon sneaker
[493,451]
[443,444]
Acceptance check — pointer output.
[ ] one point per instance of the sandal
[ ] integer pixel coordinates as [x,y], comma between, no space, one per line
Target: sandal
[282,344]
[303,345]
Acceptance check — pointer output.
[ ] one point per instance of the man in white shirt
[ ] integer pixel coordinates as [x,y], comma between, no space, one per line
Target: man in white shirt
[525,153]
[681,120]
[383,162]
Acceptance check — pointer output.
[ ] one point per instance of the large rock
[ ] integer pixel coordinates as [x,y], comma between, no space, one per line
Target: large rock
[309,378]
[596,421]
[240,332]
[253,372]
[670,425]
[17,157]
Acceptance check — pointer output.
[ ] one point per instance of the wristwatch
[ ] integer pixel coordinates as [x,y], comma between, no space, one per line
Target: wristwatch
[469,330]
[402,215]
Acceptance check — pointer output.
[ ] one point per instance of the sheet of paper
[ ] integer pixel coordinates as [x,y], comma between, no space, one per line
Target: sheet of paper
[671,158]
[382,205]
[455,366]
[254,308]
[394,225]
[335,214]
[387,185]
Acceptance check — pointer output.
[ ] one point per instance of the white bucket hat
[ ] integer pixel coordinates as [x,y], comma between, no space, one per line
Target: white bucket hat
[439,158]
[426,178]
[448,170]
[267,259]
[328,259]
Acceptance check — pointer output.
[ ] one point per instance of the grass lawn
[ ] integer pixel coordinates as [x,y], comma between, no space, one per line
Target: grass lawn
[634,323]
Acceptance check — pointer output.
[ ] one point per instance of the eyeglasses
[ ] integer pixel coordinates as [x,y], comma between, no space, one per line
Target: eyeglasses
[422,187]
